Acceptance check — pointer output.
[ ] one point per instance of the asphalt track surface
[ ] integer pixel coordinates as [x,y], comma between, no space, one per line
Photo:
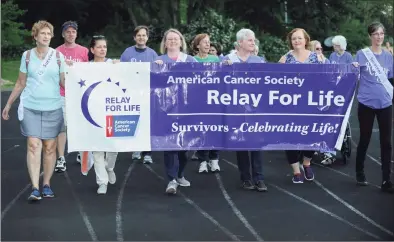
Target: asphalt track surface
[214,207]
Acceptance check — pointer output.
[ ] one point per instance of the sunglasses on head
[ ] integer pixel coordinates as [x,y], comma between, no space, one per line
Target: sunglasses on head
[98,37]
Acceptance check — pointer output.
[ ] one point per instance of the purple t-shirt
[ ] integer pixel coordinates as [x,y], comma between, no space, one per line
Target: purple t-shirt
[371,92]
[133,55]
[345,58]
[167,59]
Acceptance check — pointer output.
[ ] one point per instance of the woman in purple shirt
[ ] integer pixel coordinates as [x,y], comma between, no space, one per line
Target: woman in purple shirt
[375,95]
[299,43]
[173,48]
[340,55]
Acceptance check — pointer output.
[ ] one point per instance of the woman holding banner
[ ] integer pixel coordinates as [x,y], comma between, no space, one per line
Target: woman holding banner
[173,48]
[40,108]
[104,162]
[299,43]
[375,95]
[208,158]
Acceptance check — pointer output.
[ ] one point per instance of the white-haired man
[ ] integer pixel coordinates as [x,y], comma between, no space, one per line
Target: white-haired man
[251,178]
[340,55]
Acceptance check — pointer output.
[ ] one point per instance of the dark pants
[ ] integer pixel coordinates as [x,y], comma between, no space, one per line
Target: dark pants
[366,118]
[244,165]
[175,162]
[207,155]
[293,155]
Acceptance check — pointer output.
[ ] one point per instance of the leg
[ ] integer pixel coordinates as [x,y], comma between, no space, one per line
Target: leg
[243,165]
[34,147]
[306,164]
[292,159]
[182,156]
[214,155]
[384,118]
[110,160]
[257,166]
[171,163]
[99,168]
[61,143]
[366,118]
[49,148]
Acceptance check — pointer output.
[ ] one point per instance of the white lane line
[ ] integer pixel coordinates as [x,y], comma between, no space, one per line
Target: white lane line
[119,219]
[84,215]
[342,173]
[325,211]
[200,210]
[236,211]
[353,209]
[11,148]
[16,198]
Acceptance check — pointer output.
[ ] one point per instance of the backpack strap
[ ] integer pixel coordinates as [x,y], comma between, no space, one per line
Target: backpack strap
[27,59]
[58,58]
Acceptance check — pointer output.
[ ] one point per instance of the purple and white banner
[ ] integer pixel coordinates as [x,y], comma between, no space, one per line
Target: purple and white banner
[191,106]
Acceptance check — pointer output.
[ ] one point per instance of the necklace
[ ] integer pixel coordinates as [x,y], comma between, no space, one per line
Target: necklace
[41,55]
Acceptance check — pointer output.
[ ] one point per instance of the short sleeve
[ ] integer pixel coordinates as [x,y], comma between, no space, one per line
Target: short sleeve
[357,58]
[62,62]
[350,58]
[123,56]
[23,63]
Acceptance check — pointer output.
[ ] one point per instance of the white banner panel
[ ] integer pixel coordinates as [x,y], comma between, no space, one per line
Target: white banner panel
[108,107]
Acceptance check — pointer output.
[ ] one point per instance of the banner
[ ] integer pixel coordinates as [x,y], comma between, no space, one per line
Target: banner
[192,106]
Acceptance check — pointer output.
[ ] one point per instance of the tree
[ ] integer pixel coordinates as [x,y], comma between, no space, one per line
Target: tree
[13,32]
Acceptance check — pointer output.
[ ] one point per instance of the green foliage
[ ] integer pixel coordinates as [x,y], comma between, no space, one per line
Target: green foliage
[355,33]
[13,35]
[272,47]
[221,29]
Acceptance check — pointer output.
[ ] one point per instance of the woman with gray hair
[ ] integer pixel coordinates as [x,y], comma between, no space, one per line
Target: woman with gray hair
[340,55]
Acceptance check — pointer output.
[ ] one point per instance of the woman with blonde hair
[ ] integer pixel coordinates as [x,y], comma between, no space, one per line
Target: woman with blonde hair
[316,46]
[40,108]
[173,49]
[299,44]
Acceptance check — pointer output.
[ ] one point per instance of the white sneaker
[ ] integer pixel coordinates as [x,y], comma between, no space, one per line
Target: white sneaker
[171,187]
[79,158]
[60,164]
[102,189]
[328,159]
[136,156]
[214,164]
[148,159]
[183,182]
[111,177]
[203,167]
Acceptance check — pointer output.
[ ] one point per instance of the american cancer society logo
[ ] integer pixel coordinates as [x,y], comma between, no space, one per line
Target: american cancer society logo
[121,115]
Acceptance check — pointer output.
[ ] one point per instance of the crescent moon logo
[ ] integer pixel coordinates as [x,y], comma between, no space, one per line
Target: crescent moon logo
[84,104]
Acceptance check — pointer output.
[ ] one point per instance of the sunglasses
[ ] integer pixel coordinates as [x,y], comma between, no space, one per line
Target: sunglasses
[98,37]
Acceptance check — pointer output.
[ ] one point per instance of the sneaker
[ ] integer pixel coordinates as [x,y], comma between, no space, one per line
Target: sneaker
[203,167]
[102,189]
[248,185]
[183,182]
[298,178]
[328,159]
[60,165]
[261,187]
[35,195]
[111,177]
[387,186]
[79,158]
[171,187]
[361,179]
[148,159]
[308,173]
[136,156]
[214,164]
[47,191]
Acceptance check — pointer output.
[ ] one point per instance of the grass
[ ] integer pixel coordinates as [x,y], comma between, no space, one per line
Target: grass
[9,72]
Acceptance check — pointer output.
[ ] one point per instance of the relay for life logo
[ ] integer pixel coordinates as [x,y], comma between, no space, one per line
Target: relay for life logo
[121,115]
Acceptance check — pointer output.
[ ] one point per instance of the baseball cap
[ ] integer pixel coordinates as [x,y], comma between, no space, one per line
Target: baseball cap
[68,24]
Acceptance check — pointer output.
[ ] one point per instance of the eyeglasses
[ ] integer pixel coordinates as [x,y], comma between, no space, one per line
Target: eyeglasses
[319,48]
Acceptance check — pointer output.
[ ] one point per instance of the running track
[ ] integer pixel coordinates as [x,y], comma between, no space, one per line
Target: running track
[214,208]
